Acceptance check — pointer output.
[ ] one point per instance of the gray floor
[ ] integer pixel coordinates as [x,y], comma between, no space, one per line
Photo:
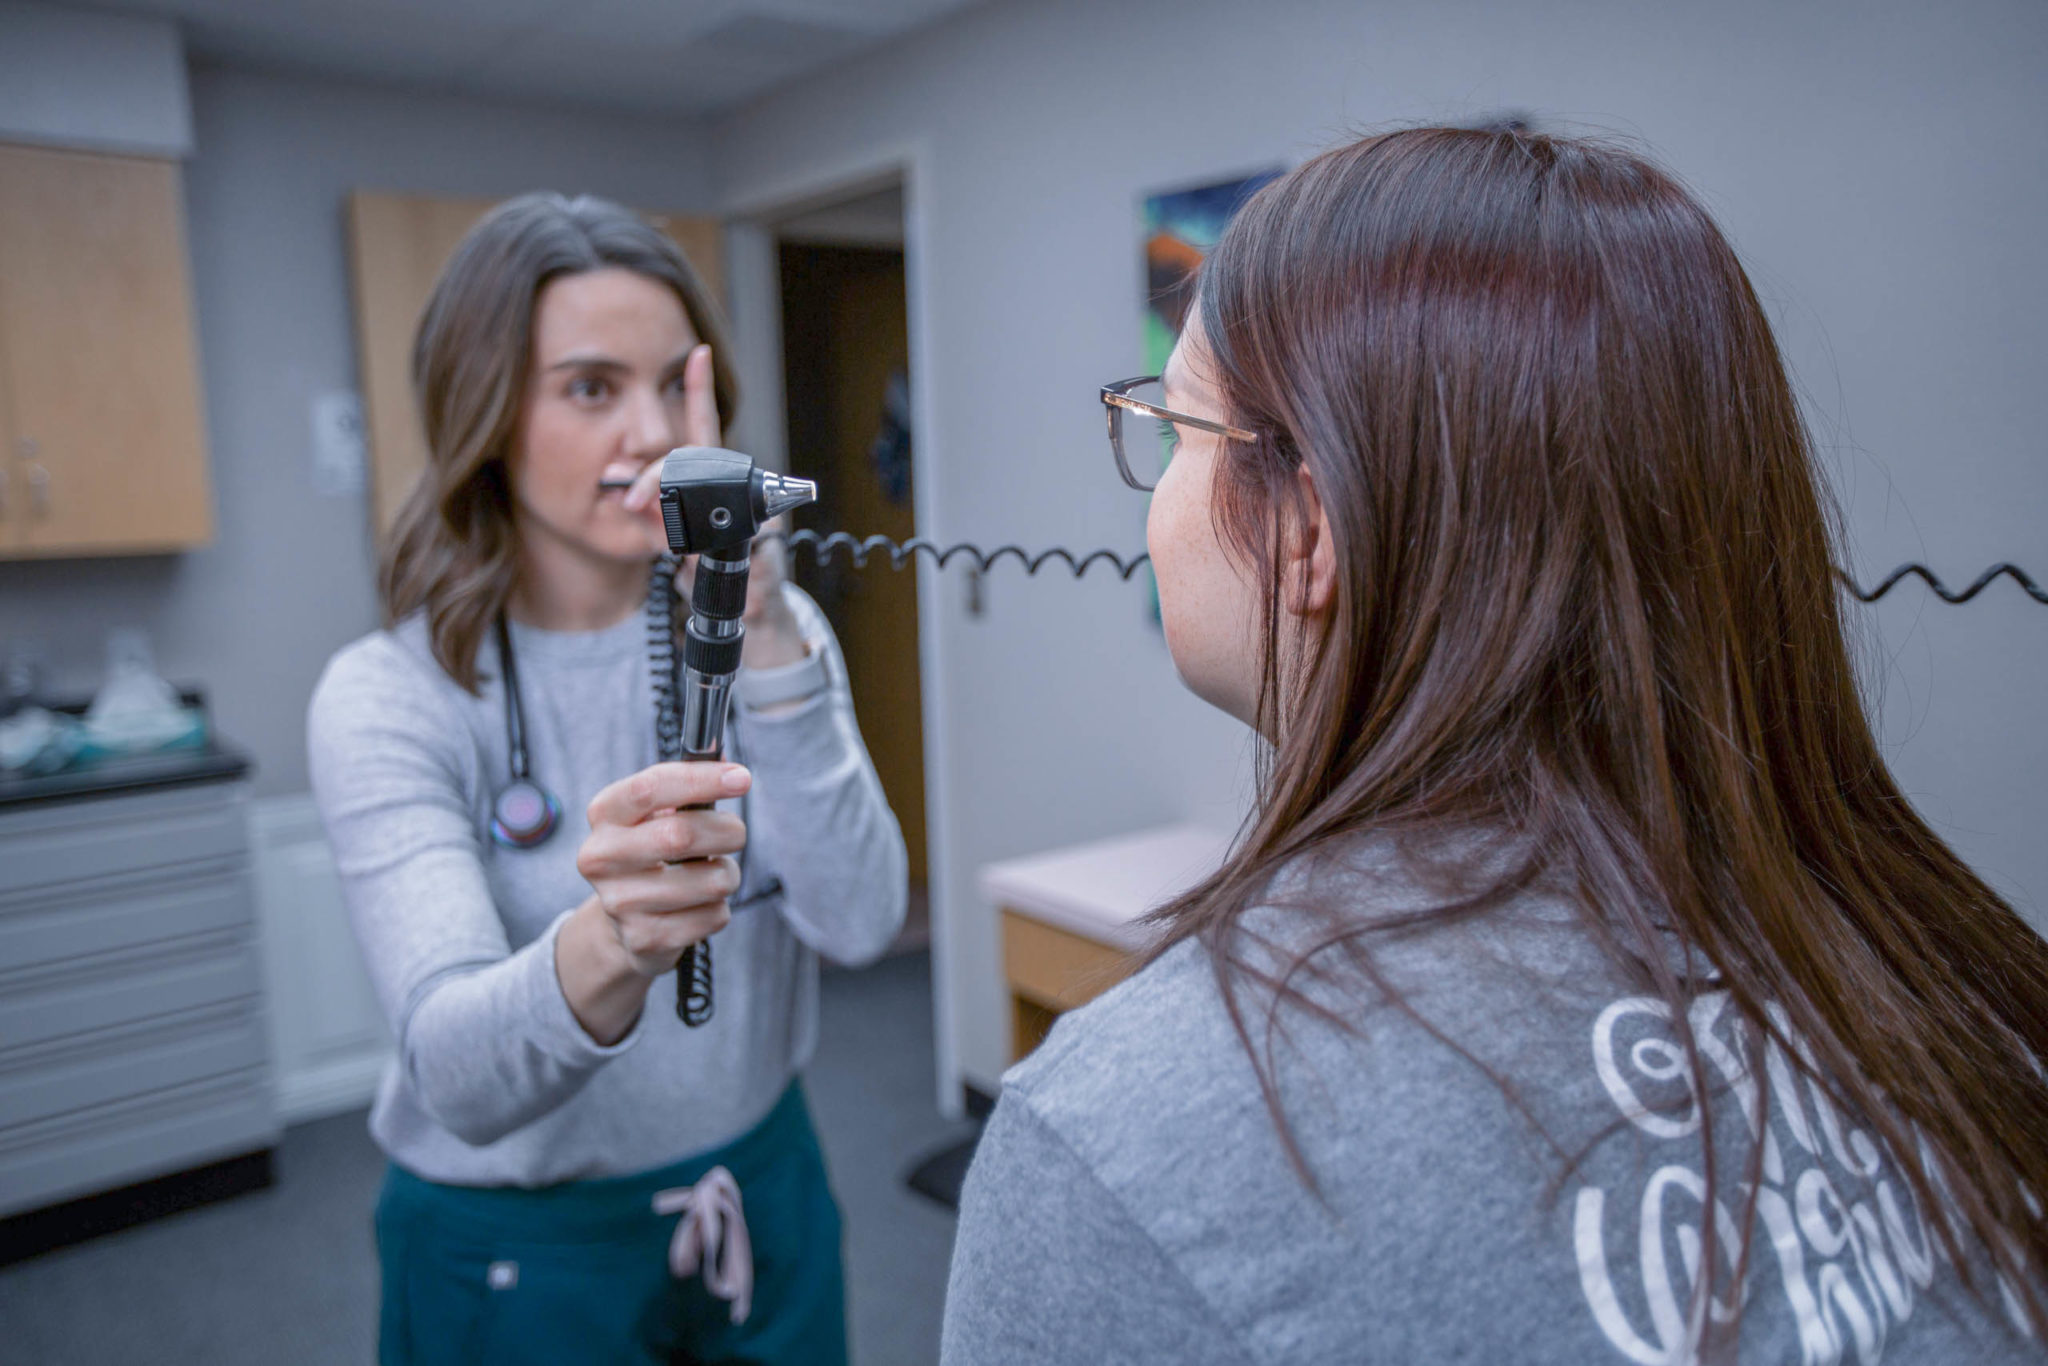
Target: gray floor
[289,1275]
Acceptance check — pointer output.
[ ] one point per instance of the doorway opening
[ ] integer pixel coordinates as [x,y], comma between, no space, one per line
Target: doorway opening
[846,396]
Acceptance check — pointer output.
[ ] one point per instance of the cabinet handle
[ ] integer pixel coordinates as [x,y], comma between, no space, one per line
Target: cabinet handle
[38,490]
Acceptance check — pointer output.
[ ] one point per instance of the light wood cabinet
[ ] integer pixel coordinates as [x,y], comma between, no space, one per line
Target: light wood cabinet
[1071,919]
[1051,970]
[99,387]
[398,244]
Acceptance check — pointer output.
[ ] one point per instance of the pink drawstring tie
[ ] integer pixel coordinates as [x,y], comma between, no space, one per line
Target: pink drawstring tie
[713,1234]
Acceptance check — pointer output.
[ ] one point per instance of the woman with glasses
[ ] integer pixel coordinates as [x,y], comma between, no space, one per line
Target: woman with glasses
[1582,989]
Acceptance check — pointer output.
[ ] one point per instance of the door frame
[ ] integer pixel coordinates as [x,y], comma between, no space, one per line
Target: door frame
[751,214]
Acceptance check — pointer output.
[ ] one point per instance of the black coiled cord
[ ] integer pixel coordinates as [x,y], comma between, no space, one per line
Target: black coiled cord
[2018,575]
[858,549]
[822,549]
[661,658]
[693,969]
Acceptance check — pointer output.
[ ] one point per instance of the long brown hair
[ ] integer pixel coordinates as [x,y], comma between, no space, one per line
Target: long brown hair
[1585,594]
[454,546]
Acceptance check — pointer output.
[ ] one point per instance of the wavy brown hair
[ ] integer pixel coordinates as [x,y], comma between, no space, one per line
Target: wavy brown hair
[1585,594]
[454,548]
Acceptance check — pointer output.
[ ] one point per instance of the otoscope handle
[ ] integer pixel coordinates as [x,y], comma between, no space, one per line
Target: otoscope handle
[712,643]
[693,969]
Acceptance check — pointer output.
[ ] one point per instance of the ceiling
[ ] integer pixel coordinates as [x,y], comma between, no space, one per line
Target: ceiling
[637,56]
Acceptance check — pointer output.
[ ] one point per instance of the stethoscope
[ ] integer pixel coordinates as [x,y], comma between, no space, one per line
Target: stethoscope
[524,814]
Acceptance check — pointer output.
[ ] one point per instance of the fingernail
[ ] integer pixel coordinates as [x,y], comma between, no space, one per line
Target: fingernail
[735,780]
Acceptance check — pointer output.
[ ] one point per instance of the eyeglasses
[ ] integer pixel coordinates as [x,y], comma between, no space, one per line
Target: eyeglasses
[1140,396]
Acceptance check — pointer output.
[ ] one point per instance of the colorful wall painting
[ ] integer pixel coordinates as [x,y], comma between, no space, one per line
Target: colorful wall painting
[1181,228]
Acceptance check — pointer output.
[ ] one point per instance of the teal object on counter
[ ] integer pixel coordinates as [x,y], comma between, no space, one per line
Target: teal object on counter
[36,741]
[192,735]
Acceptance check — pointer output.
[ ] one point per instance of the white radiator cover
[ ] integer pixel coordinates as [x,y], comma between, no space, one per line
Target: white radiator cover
[328,1036]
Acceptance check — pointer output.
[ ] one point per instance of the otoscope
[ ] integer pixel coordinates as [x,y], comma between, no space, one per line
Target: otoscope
[713,503]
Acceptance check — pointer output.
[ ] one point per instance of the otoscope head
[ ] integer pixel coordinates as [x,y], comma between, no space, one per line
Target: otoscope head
[713,501]
[775,494]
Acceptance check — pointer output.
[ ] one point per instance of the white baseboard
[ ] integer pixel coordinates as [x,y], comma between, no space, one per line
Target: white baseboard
[329,1088]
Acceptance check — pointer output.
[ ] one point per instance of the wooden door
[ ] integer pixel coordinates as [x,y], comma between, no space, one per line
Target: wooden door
[397,247]
[107,450]
[845,333]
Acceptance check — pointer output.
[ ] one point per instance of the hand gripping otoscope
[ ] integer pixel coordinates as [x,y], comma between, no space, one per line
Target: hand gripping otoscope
[713,504]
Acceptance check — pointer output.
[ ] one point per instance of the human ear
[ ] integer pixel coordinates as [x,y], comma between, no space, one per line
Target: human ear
[1310,564]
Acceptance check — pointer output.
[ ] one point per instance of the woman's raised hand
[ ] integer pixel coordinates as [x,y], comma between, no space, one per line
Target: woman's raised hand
[700,400]
[773,635]
[700,428]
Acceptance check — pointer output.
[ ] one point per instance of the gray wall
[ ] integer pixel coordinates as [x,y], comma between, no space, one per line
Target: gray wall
[75,78]
[288,577]
[1878,164]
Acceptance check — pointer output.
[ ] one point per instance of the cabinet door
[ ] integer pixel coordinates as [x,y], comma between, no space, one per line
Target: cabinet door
[13,509]
[102,390]
[397,246]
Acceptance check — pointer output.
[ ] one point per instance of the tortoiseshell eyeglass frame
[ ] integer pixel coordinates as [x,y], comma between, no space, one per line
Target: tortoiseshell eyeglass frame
[1117,400]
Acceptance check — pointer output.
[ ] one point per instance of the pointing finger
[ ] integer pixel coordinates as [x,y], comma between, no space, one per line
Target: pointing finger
[700,402]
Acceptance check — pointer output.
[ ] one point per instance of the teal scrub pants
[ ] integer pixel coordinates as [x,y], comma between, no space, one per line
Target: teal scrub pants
[579,1272]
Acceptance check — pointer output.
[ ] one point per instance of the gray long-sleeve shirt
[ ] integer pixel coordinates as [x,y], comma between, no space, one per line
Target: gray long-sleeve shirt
[495,1082]
[1131,1200]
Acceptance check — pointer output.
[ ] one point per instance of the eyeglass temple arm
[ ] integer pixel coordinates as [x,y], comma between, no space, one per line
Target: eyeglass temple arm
[1115,396]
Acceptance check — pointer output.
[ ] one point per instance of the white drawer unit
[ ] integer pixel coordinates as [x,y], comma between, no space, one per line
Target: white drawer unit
[133,1037]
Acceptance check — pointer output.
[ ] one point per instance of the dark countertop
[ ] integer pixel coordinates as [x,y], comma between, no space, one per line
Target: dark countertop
[213,762]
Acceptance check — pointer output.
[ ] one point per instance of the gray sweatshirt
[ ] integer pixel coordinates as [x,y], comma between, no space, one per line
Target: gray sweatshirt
[1131,1201]
[495,1083]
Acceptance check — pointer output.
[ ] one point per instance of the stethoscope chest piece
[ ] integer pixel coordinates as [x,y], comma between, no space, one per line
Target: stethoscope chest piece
[524,815]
